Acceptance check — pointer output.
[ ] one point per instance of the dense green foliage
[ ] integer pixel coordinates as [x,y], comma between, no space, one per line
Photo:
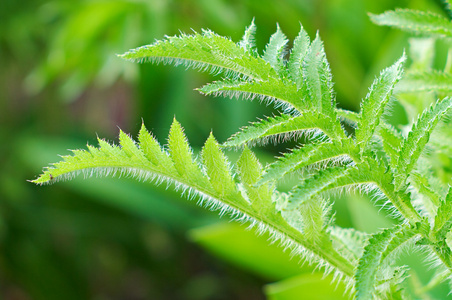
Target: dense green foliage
[372,157]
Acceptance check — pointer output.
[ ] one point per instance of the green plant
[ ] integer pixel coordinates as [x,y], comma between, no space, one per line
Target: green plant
[371,157]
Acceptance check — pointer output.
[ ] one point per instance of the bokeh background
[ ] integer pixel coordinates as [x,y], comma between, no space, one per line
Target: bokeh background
[61,86]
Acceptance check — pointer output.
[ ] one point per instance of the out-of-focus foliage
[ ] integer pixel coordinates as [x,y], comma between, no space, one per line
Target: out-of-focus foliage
[60,83]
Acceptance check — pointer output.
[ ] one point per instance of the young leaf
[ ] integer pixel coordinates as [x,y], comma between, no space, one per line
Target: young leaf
[374,104]
[274,51]
[392,141]
[318,78]
[315,184]
[272,91]
[284,126]
[207,51]
[418,138]
[419,22]
[248,43]
[443,219]
[300,47]
[307,155]
[370,262]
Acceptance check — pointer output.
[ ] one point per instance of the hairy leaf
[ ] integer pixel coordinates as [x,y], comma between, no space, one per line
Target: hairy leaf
[318,79]
[392,141]
[271,90]
[443,219]
[308,155]
[370,262]
[373,105]
[274,51]
[418,138]
[217,168]
[283,127]
[248,42]
[207,51]
[419,22]
[300,47]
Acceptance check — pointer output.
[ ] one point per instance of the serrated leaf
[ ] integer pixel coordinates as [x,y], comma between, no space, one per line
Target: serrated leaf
[373,105]
[315,184]
[152,150]
[444,214]
[180,152]
[308,155]
[299,50]
[318,79]
[369,263]
[348,241]
[273,90]
[434,80]
[392,141]
[250,170]
[217,168]
[248,42]
[207,51]
[315,217]
[283,127]
[418,138]
[274,51]
[415,21]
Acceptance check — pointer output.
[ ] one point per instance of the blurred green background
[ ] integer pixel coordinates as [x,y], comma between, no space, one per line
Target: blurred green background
[61,85]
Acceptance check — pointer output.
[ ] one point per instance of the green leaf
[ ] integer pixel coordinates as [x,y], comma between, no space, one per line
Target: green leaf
[310,154]
[273,90]
[284,127]
[418,138]
[426,81]
[392,142]
[248,42]
[274,51]
[348,241]
[373,105]
[217,168]
[315,184]
[418,22]
[443,219]
[207,51]
[299,50]
[181,153]
[153,151]
[369,263]
[318,79]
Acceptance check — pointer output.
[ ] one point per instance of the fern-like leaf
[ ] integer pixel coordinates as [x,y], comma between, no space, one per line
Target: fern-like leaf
[248,42]
[443,219]
[418,138]
[274,51]
[318,79]
[217,168]
[299,50]
[373,106]
[272,91]
[392,141]
[370,262]
[418,22]
[308,155]
[207,51]
[284,127]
